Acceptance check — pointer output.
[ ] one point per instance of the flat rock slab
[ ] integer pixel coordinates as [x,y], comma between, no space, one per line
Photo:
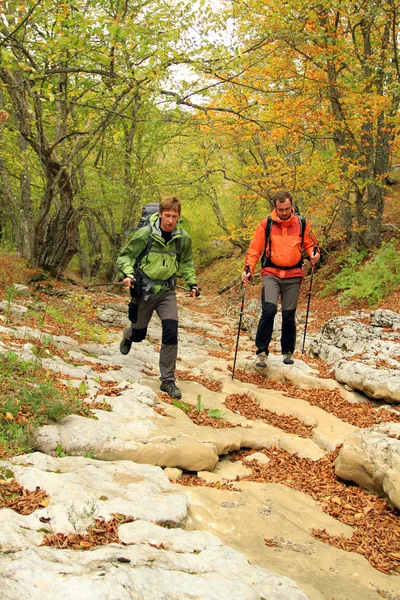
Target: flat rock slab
[156,564]
[371,458]
[134,431]
[81,489]
[328,431]
[244,519]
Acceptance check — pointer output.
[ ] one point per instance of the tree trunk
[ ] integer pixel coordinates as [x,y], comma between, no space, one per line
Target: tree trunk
[95,250]
[26,219]
[19,211]
[84,266]
[60,240]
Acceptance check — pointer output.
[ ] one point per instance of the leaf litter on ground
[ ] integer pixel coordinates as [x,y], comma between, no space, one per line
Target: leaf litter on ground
[360,414]
[376,526]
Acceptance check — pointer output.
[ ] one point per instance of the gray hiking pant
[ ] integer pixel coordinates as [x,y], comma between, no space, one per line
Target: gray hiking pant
[288,290]
[140,313]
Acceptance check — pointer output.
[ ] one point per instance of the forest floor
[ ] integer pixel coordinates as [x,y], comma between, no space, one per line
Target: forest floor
[80,321]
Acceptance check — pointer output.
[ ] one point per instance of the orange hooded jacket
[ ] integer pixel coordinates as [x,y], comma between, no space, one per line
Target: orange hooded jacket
[284,248]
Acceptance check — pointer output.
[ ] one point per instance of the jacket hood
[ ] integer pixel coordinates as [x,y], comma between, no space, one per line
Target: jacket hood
[155,226]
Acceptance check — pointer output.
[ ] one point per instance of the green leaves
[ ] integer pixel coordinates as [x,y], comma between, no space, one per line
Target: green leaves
[30,398]
[199,405]
[60,452]
[182,405]
[216,413]
[370,279]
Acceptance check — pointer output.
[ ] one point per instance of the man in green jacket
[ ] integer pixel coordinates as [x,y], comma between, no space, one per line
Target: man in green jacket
[149,263]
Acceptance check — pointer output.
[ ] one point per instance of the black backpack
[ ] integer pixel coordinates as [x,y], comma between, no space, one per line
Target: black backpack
[147,210]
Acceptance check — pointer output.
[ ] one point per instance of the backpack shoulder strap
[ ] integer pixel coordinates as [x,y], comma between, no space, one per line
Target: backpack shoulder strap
[302,221]
[268,227]
[148,245]
[178,245]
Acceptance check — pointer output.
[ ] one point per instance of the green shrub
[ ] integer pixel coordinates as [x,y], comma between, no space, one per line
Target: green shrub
[371,279]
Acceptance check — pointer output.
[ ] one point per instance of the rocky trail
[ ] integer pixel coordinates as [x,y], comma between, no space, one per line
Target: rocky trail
[281,484]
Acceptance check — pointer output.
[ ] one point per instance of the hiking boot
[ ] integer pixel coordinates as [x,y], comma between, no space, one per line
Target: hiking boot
[287,359]
[171,389]
[125,346]
[261,360]
[126,343]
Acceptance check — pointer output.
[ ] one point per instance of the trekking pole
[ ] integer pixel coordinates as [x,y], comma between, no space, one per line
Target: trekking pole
[308,301]
[189,290]
[86,287]
[98,284]
[240,323]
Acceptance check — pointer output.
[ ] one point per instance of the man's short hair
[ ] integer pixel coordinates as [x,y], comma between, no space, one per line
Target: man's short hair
[171,203]
[281,196]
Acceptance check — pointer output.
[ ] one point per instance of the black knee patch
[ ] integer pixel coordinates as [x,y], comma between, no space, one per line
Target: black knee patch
[133,312]
[268,309]
[169,332]
[138,335]
[288,317]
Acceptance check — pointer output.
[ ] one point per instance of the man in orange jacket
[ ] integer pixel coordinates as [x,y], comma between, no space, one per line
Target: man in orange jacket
[281,272]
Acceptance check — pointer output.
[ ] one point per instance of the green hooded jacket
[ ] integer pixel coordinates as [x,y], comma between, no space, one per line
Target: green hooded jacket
[164,260]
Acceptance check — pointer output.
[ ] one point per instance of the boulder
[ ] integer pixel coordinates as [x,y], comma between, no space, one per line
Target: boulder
[371,458]
[380,384]
[340,337]
[111,317]
[21,290]
[385,318]
[343,337]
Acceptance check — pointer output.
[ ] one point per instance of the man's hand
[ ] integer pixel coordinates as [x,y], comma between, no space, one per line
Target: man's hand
[315,258]
[194,291]
[246,275]
[129,281]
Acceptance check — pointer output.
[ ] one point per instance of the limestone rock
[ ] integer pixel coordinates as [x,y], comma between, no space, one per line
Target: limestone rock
[252,316]
[375,383]
[81,489]
[385,318]
[14,533]
[133,431]
[114,318]
[137,438]
[209,477]
[158,564]
[339,337]
[371,458]
[16,310]
[343,337]
[173,473]
[21,290]
[259,457]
